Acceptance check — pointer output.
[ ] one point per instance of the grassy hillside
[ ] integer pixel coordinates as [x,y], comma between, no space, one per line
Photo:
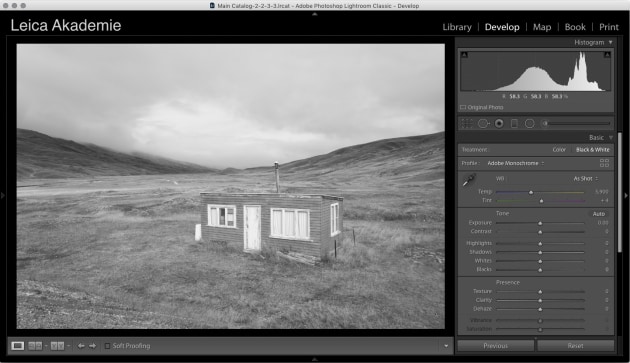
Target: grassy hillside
[42,156]
[415,158]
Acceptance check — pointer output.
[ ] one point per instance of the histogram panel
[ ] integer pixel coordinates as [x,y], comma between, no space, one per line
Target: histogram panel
[535,71]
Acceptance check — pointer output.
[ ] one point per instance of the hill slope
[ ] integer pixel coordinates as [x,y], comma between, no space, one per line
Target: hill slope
[42,156]
[414,158]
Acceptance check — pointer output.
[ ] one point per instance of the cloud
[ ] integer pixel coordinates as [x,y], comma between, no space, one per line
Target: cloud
[230,105]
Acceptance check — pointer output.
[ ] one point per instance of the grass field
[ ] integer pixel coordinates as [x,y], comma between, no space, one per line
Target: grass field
[119,252]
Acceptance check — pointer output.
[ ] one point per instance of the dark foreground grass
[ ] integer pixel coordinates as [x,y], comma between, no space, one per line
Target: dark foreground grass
[125,259]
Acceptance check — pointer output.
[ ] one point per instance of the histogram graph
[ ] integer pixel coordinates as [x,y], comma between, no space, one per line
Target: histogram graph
[566,71]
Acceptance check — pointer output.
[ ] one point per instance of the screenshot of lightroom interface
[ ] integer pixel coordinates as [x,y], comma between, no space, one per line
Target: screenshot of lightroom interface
[306,180]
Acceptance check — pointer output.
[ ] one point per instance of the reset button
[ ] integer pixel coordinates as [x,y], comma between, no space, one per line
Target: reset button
[576,345]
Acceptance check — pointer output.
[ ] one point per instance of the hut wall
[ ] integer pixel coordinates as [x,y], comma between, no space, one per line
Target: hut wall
[328,241]
[235,236]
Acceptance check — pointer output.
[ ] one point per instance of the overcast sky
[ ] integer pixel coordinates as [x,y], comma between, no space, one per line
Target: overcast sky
[230,105]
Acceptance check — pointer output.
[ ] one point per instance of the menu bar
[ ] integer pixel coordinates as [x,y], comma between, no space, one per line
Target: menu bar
[536,28]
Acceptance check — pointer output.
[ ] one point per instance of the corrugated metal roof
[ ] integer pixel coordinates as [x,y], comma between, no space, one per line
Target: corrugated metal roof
[288,195]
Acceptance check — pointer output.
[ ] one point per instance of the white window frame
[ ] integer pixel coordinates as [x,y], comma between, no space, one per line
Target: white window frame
[219,207]
[334,222]
[295,219]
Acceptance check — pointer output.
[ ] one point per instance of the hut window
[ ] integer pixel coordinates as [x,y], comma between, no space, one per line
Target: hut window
[276,222]
[230,217]
[334,219]
[222,216]
[290,223]
[302,229]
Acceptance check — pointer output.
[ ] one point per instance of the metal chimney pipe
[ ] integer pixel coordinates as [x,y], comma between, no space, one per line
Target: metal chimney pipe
[277,165]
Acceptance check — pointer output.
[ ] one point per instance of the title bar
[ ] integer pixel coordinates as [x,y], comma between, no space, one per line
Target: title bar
[345,5]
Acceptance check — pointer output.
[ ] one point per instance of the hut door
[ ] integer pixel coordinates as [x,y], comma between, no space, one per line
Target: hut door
[252,227]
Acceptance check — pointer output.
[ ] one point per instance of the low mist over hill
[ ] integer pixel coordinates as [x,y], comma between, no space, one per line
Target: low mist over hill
[414,158]
[42,156]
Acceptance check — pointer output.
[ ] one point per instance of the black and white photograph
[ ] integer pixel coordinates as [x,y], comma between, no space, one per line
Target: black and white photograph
[230,186]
